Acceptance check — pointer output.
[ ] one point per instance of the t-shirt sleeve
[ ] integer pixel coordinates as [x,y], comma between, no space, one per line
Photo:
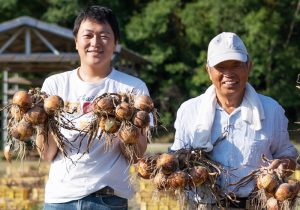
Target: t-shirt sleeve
[49,86]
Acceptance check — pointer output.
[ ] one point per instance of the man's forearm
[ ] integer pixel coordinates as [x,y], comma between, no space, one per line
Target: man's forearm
[46,146]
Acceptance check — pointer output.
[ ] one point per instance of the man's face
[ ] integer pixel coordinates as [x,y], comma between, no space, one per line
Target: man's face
[95,43]
[230,77]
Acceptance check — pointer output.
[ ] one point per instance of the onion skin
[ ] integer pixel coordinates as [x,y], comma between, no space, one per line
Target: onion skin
[17,112]
[124,111]
[36,115]
[145,168]
[161,181]
[22,131]
[53,104]
[105,104]
[272,204]
[198,175]
[109,124]
[287,191]
[168,163]
[144,102]
[141,119]
[129,134]
[22,99]
[268,182]
[177,180]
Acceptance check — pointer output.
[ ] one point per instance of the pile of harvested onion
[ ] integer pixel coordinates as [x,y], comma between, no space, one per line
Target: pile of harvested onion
[183,170]
[31,111]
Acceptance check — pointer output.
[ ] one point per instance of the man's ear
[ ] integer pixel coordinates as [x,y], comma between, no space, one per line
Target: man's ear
[207,68]
[75,40]
[249,65]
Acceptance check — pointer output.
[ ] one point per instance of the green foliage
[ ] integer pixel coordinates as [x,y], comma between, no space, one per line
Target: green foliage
[174,35]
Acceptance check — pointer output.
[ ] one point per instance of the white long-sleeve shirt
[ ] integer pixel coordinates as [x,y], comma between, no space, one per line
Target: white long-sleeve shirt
[241,149]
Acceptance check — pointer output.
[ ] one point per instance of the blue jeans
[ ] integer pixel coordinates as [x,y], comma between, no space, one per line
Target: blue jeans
[104,202]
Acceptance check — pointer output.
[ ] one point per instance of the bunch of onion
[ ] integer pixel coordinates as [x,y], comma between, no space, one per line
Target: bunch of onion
[120,115]
[274,189]
[182,170]
[31,111]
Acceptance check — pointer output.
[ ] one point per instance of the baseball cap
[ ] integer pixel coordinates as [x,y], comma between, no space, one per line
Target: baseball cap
[226,46]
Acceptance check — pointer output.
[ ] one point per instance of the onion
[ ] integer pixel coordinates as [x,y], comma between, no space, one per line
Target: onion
[17,112]
[272,204]
[109,124]
[105,104]
[167,162]
[36,115]
[177,180]
[161,181]
[22,99]
[145,167]
[287,191]
[129,134]
[268,182]
[183,159]
[198,175]
[144,102]
[124,111]
[53,104]
[141,119]
[22,131]
[7,153]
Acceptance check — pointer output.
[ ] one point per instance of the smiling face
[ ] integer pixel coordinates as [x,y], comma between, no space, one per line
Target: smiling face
[95,43]
[230,78]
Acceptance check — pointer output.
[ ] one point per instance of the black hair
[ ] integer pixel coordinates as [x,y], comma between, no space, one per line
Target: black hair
[101,15]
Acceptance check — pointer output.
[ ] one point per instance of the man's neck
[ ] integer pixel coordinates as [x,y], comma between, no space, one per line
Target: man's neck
[89,74]
[229,104]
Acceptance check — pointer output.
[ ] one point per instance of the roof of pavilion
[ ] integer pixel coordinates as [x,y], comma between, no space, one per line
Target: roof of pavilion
[31,45]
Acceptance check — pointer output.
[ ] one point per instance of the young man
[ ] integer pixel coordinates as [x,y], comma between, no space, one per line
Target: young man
[99,179]
[249,124]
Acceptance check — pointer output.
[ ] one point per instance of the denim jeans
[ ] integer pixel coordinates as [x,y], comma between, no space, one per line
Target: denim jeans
[104,202]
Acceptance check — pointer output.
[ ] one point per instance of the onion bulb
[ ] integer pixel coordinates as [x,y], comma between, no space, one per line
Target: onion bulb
[168,163]
[17,112]
[124,111]
[161,181]
[177,180]
[22,99]
[105,104]
[53,104]
[129,134]
[36,115]
[268,182]
[198,175]
[141,119]
[22,131]
[272,204]
[287,191]
[145,167]
[109,124]
[144,102]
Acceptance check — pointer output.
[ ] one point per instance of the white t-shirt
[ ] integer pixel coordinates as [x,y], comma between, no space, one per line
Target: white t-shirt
[100,167]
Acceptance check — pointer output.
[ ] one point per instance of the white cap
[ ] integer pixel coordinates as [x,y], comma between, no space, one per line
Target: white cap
[226,46]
